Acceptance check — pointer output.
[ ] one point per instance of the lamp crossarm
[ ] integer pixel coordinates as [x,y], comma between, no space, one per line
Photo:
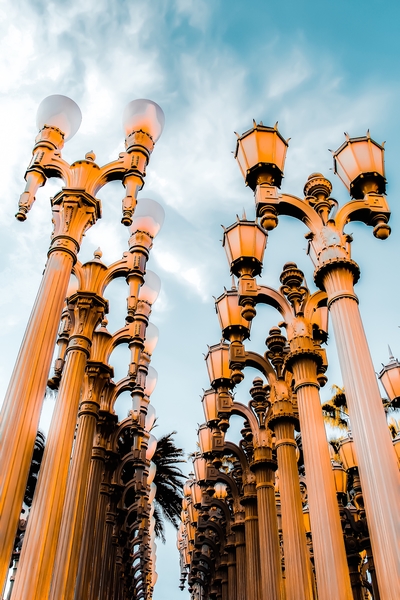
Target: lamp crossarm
[260,433]
[365,210]
[238,452]
[271,297]
[316,300]
[292,206]
[262,364]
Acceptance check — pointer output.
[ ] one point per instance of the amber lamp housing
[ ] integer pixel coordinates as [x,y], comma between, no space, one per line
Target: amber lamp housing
[359,162]
[340,477]
[261,153]
[210,406]
[200,467]
[217,361]
[205,439]
[230,316]
[347,453]
[244,244]
[390,379]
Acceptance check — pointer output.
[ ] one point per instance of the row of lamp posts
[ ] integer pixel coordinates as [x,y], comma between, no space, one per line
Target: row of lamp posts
[90,531]
[277,562]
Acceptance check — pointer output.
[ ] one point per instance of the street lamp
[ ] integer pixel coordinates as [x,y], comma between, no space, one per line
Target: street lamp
[359,162]
[74,209]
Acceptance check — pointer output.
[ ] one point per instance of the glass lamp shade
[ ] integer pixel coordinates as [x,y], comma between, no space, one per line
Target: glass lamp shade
[143,115]
[205,439]
[200,467]
[217,362]
[151,287]
[61,112]
[152,493]
[187,487]
[149,217]
[359,160]
[151,381]
[151,338]
[261,153]
[221,491]
[151,447]
[184,504]
[193,513]
[210,406]
[229,315]
[244,244]
[340,477]
[390,379]
[152,473]
[306,518]
[150,417]
[347,453]
[196,494]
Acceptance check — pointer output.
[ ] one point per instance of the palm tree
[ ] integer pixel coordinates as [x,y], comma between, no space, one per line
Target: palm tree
[335,410]
[169,481]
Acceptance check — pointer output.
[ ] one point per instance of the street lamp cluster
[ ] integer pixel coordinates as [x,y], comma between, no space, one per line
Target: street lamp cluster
[90,531]
[268,518]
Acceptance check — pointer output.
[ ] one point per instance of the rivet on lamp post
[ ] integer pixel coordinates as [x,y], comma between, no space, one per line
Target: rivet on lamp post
[359,162]
[75,208]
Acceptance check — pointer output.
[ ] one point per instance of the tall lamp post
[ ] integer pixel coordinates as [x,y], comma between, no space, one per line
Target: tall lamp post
[74,209]
[260,153]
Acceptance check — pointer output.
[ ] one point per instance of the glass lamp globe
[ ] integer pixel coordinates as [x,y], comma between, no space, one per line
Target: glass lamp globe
[151,338]
[151,288]
[61,112]
[149,217]
[151,381]
[144,115]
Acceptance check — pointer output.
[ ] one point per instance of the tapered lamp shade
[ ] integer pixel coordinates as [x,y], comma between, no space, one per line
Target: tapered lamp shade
[150,417]
[187,487]
[221,491]
[340,477]
[347,453]
[196,494]
[244,244]
[152,493]
[151,287]
[193,512]
[143,115]
[359,163]
[210,406]
[200,467]
[151,447]
[261,153]
[151,338]
[152,473]
[149,217]
[205,439]
[151,381]
[217,361]
[230,315]
[61,112]
[390,379]
[306,519]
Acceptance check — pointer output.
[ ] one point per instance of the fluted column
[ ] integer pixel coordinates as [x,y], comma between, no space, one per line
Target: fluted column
[94,516]
[70,538]
[19,418]
[108,554]
[332,573]
[240,546]
[270,555]
[253,576]
[38,553]
[231,563]
[377,463]
[299,584]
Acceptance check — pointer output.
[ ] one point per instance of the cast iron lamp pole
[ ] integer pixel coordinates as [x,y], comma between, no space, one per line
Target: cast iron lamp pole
[74,210]
[359,163]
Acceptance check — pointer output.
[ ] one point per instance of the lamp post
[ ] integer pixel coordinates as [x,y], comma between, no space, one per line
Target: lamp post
[74,210]
[359,163]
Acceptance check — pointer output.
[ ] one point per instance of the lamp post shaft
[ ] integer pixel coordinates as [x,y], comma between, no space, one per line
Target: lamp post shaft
[240,562]
[270,555]
[299,580]
[378,468]
[253,582]
[329,553]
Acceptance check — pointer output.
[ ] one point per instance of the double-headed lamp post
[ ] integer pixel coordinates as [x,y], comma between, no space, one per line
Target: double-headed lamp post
[359,163]
[74,209]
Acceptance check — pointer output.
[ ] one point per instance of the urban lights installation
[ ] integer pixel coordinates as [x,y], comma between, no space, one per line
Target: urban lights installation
[301,540]
[94,499]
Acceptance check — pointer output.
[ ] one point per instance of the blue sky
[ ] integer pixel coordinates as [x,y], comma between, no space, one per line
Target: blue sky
[319,68]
